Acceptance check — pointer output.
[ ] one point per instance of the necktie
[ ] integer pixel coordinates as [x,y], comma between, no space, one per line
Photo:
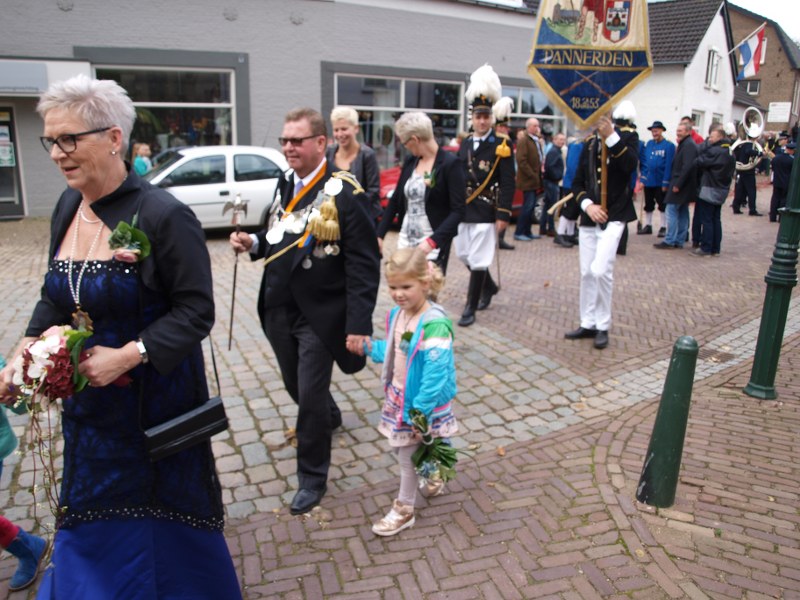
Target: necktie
[298,186]
[475,143]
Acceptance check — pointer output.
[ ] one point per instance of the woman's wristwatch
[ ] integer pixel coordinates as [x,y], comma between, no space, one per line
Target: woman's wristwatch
[142,351]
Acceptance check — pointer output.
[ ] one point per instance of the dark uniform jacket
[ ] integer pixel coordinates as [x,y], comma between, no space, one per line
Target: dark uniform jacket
[781,169]
[684,173]
[623,160]
[337,293]
[745,153]
[494,203]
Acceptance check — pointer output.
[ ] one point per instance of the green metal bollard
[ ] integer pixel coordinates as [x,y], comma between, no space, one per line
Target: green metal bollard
[662,463]
[781,278]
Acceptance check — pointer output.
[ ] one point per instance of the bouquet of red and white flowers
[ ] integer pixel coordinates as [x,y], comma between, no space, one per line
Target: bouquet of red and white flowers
[47,369]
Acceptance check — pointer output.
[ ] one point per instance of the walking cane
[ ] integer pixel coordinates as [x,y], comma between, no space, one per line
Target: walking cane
[497,258]
[238,206]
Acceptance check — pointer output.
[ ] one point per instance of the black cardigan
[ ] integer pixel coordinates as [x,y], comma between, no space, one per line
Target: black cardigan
[178,266]
[445,202]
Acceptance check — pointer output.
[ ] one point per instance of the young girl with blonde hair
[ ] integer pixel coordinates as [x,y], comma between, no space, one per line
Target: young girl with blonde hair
[418,373]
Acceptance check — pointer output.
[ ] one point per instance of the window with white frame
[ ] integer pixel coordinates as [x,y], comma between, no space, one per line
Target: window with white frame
[712,68]
[698,118]
[752,86]
[178,107]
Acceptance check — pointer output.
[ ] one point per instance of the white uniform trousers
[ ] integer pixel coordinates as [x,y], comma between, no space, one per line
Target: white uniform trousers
[475,244]
[598,252]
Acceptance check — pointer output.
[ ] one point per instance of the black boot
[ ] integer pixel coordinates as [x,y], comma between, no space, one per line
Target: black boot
[502,243]
[489,289]
[473,295]
[622,247]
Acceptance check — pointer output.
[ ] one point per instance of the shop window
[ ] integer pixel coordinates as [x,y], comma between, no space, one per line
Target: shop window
[177,108]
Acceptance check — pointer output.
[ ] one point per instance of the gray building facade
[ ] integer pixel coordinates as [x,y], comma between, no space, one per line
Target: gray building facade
[205,72]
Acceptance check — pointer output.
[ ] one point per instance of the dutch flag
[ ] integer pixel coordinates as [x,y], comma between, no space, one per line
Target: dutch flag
[750,49]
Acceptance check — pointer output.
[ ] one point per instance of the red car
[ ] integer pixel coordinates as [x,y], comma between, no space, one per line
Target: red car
[390,176]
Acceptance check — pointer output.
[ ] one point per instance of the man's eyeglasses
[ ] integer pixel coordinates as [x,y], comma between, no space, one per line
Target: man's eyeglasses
[296,141]
[67,142]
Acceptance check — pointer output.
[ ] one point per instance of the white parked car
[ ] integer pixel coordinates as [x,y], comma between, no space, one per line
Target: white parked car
[207,177]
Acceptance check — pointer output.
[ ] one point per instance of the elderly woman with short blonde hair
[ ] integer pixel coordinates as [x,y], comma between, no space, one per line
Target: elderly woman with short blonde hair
[128,526]
[430,197]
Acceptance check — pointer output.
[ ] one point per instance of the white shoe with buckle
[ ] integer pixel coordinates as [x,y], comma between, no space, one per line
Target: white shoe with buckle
[400,517]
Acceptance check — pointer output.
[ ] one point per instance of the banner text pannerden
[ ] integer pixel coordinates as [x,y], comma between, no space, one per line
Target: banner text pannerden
[580,57]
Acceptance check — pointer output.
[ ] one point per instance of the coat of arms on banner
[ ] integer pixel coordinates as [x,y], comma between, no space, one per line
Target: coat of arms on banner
[587,54]
[616,22]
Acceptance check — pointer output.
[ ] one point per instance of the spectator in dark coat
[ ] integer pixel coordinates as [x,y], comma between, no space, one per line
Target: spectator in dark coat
[683,189]
[553,173]
[716,168]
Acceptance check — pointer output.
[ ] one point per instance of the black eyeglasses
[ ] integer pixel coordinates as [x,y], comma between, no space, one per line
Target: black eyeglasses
[67,142]
[296,141]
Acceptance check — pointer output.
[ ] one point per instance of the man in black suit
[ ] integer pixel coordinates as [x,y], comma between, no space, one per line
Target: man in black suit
[747,156]
[490,191]
[601,228]
[781,169]
[318,291]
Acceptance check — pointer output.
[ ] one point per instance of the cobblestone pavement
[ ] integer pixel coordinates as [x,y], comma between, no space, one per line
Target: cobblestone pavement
[557,432]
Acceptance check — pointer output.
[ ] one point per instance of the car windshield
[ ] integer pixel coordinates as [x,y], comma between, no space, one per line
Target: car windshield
[166,160]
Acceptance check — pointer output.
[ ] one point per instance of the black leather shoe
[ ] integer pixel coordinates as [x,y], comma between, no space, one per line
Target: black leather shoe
[662,232]
[601,340]
[664,246]
[304,500]
[504,245]
[560,240]
[755,214]
[646,230]
[579,333]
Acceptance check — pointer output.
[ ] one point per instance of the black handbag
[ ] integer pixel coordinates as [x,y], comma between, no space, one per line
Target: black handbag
[188,429]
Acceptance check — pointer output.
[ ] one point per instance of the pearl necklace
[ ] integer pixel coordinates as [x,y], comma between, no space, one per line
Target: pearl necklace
[84,217]
[80,317]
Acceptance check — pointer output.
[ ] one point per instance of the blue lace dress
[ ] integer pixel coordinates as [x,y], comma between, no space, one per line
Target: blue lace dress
[131,528]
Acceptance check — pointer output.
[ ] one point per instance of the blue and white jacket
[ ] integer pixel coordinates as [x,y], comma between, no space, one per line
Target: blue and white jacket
[655,163]
[430,384]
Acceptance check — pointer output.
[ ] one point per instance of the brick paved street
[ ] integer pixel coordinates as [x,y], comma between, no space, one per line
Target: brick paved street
[545,507]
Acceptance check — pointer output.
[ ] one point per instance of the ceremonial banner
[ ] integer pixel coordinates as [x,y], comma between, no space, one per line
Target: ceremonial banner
[588,54]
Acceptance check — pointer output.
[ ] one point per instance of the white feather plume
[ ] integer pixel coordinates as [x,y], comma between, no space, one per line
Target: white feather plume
[502,108]
[625,111]
[484,82]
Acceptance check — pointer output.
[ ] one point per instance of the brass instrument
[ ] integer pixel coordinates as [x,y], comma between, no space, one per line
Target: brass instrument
[750,129]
